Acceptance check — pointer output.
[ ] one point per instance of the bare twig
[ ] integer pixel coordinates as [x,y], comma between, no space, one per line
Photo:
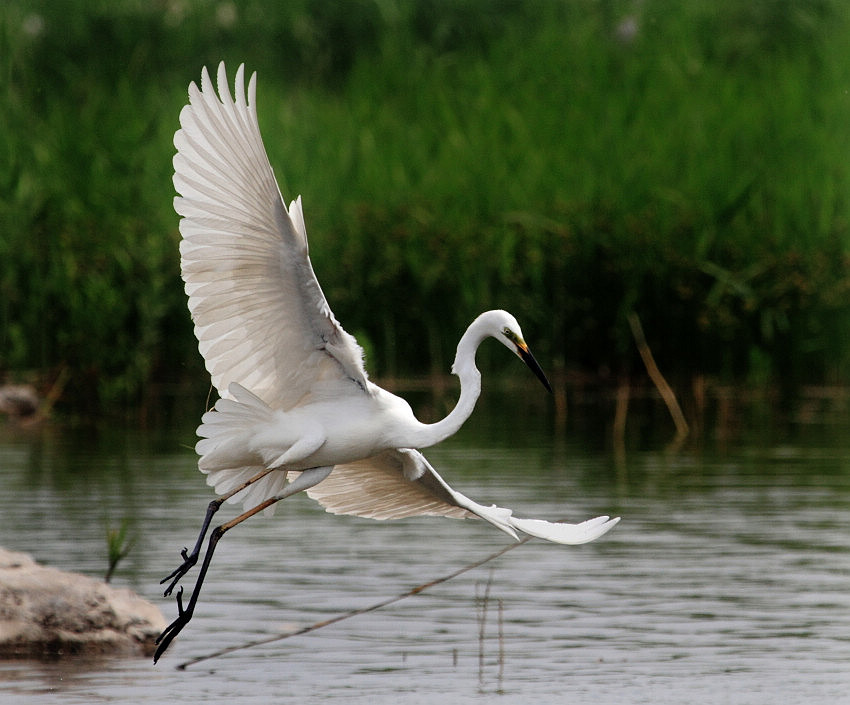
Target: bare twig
[482,603]
[354,613]
[501,642]
[54,392]
[657,378]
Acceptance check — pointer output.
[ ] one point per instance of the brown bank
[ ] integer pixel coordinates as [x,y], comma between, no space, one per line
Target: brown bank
[50,613]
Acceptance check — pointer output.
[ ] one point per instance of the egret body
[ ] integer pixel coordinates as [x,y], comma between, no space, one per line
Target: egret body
[297,411]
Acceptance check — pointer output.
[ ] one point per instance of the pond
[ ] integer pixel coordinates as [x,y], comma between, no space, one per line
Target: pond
[727,581]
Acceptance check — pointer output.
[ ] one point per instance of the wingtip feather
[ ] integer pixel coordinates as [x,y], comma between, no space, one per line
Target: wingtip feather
[572,534]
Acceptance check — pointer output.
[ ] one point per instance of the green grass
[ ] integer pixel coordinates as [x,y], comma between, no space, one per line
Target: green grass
[452,157]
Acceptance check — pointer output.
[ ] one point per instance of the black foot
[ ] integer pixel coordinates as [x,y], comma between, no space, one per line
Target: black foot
[180,571]
[189,559]
[173,629]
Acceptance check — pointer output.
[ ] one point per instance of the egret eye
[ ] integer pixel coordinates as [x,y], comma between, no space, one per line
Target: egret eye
[509,334]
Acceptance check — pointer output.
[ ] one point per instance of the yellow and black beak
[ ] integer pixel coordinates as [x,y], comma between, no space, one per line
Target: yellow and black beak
[526,356]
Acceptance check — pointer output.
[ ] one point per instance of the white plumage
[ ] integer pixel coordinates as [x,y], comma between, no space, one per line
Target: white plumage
[294,391]
[297,411]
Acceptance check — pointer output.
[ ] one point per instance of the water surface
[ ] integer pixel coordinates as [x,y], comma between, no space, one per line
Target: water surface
[728,580]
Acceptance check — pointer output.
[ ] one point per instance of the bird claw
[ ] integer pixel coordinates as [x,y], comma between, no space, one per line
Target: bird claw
[173,629]
[181,570]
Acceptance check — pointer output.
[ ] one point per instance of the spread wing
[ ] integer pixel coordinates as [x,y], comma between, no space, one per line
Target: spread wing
[260,316]
[402,483]
[391,485]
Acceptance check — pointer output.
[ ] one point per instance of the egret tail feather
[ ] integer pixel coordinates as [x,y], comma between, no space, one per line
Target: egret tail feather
[225,448]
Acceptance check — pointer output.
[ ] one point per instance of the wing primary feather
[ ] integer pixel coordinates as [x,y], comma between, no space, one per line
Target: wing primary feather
[255,301]
[387,486]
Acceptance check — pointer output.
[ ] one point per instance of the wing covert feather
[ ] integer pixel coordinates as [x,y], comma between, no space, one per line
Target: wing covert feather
[382,487]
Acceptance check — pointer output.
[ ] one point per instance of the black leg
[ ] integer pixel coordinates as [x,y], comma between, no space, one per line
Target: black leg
[185,614]
[307,479]
[190,559]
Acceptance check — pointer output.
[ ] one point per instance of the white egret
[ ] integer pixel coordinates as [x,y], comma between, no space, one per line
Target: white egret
[297,410]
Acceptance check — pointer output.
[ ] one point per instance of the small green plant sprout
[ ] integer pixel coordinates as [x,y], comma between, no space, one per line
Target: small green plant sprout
[118,546]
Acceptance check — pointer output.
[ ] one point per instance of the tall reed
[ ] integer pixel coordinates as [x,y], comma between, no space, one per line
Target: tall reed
[572,162]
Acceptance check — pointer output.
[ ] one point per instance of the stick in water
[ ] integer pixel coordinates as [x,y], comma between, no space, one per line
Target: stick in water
[355,613]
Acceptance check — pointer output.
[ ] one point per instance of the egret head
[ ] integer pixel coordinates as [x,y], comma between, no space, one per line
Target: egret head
[507,331]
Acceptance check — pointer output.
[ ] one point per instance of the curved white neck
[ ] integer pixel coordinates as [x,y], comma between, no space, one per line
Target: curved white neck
[470,388]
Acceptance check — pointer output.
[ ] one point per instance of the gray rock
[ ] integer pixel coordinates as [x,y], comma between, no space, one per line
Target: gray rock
[48,613]
[18,400]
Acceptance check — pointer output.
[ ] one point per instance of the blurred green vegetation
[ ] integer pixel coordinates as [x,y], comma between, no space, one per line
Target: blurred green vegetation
[569,161]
